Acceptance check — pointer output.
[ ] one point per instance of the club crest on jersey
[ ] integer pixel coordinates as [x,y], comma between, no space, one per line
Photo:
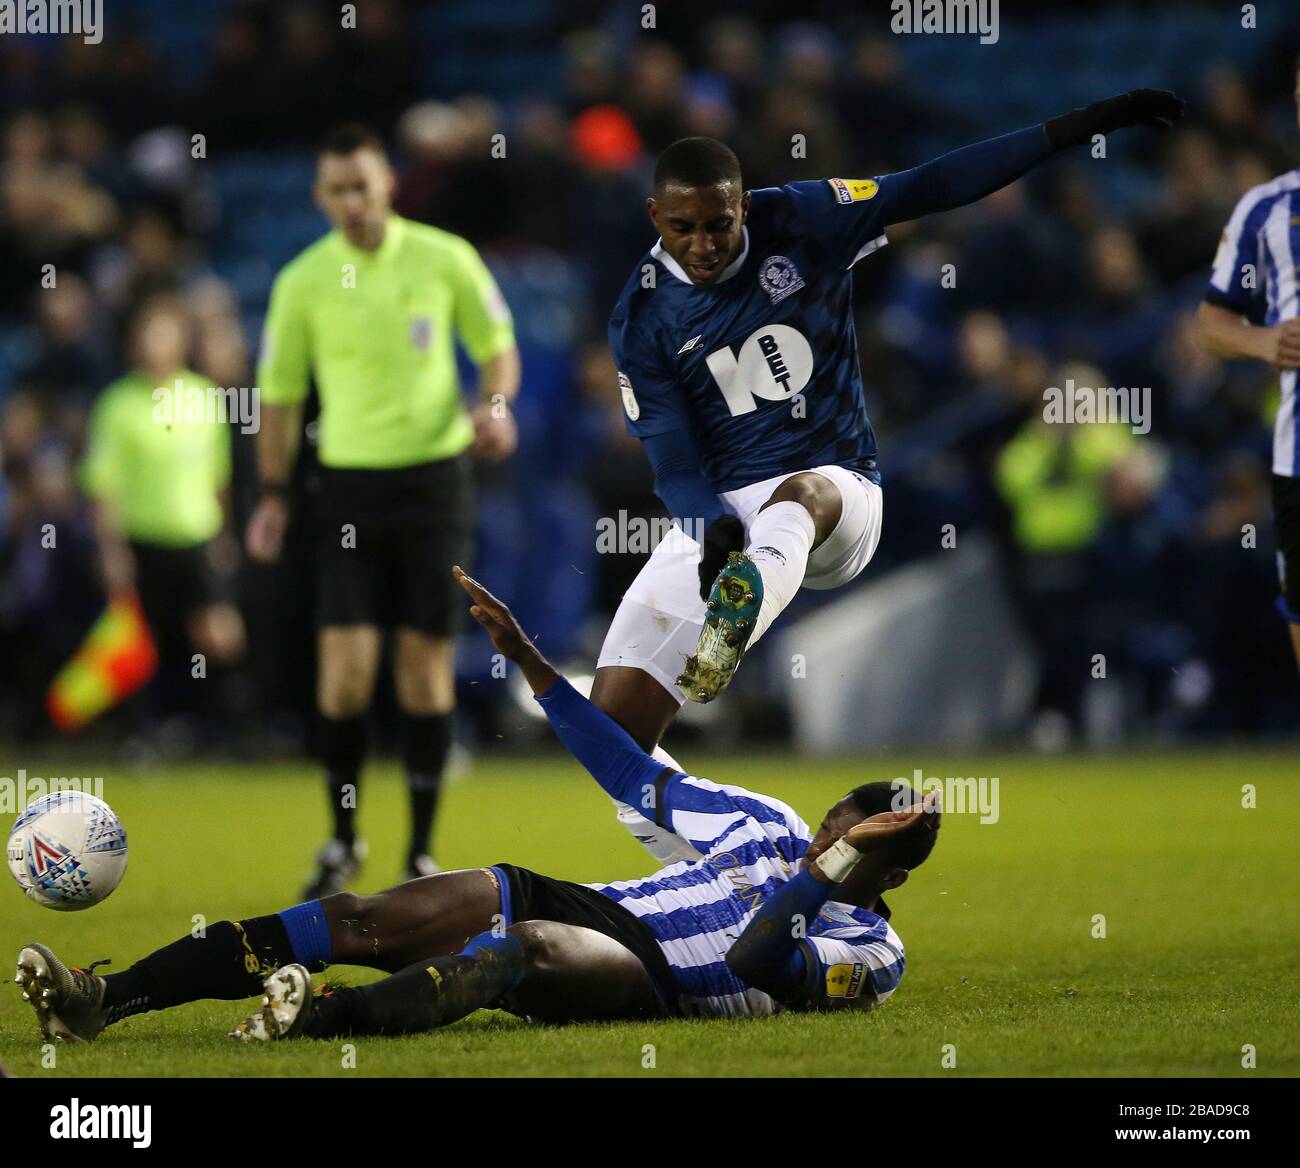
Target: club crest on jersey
[421,332]
[630,406]
[778,277]
[853,190]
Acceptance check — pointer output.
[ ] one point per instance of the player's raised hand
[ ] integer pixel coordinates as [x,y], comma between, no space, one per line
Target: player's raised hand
[1159,108]
[494,616]
[922,816]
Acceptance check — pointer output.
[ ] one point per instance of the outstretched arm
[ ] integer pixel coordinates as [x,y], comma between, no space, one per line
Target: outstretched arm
[699,811]
[961,176]
[608,752]
[966,175]
[848,217]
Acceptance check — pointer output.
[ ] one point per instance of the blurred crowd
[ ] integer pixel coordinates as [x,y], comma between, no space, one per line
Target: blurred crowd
[1122,545]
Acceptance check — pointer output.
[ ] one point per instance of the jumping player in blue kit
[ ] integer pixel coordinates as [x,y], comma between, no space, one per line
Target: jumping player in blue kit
[738,369]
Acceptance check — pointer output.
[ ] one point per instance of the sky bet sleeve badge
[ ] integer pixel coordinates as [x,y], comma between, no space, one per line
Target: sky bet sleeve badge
[853,190]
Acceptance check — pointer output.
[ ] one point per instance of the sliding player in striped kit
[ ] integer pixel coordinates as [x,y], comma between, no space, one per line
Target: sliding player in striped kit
[1252,309]
[771,917]
[738,368]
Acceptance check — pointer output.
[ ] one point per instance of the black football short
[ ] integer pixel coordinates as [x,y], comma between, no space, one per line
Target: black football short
[1286,516]
[173,583]
[530,896]
[385,544]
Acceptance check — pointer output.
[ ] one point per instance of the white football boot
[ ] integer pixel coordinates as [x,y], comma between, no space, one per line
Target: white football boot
[286,1007]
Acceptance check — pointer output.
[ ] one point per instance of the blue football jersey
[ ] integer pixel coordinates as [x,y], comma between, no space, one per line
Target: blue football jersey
[762,366]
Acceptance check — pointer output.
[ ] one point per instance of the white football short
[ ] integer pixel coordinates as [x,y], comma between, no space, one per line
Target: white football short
[659,620]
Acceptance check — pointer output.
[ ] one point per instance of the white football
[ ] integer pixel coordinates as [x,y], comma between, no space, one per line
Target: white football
[67,850]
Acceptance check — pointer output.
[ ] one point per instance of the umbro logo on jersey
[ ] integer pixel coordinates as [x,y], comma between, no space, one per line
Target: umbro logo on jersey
[686,348]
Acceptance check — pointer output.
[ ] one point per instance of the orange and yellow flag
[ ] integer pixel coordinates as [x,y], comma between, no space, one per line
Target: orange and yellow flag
[116,658]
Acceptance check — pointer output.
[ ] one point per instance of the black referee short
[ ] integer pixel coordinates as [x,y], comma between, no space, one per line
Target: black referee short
[386,541]
[530,896]
[1286,515]
[173,583]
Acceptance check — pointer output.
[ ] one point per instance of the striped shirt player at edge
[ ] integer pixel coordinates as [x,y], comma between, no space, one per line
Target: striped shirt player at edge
[1252,310]
[371,313]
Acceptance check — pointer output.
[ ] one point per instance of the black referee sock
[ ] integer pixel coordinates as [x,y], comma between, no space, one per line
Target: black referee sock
[343,750]
[229,961]
[426,739]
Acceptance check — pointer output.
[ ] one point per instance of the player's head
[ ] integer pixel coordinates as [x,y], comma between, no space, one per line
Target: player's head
[699,206]
[355,183]
[159,336]
[886,866]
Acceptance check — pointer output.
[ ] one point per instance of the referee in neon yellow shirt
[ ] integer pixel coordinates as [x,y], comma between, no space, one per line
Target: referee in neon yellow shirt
[159,485]
[371,311]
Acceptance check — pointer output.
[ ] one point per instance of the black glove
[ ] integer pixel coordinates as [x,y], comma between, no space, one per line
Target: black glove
[1140,107]
[724,535]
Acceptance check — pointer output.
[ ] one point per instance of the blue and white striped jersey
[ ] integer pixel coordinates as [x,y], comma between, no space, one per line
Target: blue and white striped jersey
[750,845]
[1255,275]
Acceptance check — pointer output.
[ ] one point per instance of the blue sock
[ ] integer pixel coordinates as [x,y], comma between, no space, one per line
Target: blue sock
[503,952]
[309,935]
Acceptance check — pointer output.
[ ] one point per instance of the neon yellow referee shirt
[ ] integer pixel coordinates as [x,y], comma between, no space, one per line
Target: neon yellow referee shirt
[376,330]
[164,477]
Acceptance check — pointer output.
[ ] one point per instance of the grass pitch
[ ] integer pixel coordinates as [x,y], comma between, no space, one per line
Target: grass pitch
[1005,973]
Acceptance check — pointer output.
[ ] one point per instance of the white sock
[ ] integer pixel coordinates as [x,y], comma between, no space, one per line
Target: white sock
[780,542]
[665,846]
[659,754]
